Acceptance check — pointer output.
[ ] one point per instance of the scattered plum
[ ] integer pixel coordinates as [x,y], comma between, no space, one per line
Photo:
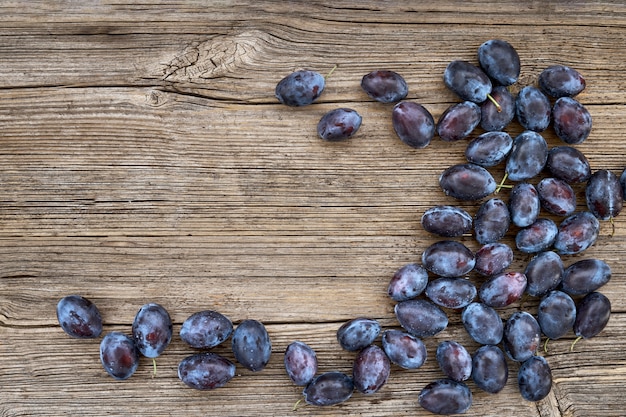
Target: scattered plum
[300,88]
[385,86]
[300,362]
[500,61]
[534,378]
[206,329]
[467,182]
[561,81]
[79,317]
[339,124]
[483,323]
[370,370]
[251,345]
[458,121]
[413,124]
[572,121]
[421,318]
[119,355]
[205,371]
[358,333]
[404,349]
[152,330]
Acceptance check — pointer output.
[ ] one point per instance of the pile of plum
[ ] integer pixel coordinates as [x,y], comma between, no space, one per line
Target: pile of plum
[152,333]
[544,189]
[425,293]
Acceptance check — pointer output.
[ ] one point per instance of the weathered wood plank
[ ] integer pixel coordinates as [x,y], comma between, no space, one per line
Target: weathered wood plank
[144,158]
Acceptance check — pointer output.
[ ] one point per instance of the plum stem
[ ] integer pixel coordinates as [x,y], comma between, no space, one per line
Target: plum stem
[331,71]
[502,185]
[295,406]
[495,103]
[545,345]
[571,348]
[613,225]
[153,367]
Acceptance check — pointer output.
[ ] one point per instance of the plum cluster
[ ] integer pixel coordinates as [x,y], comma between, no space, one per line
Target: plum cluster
[151,333]
[543,191]
[541,209]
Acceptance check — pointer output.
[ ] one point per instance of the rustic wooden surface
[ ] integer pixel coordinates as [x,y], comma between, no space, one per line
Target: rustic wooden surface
[144,158]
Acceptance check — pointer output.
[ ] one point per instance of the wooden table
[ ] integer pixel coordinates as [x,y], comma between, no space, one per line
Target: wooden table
[146,159]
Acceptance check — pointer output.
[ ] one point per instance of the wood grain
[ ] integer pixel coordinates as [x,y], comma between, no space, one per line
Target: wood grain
[144,158]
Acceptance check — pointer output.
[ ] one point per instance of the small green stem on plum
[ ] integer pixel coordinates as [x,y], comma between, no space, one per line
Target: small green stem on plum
[331,71]
[153,367]
[545,345]
[495,103]
[613,225]
[502,185]
[295,406]
[571,349]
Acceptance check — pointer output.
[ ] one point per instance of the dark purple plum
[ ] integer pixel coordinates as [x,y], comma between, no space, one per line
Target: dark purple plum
[568,164]
[152,330]
[458,121]
[490,370]
[404,349]
[522,336]
[533,109]
[413,124]
[592,315]
[577,233]
[407,282]
[537,237]
[339,124]
[544,273]
[524,204]
[447,221]
[483,323]
[556,196]
[500,61]
[206,329]
[119,355]
[572,121]
[556,314]
[451,292]
[448,258]
[385,86]
[534,379]
[300,362]
[622,181]
[489,149]
[493,258]
[358,333]
[79,317]
[329,388]
[492,221]
[205,371]
[300,88]
[421,318]
[495,118]
[528,156]
[604,194]
[467,81]
[503,289]
[445,396]
[585,276]
[454,360]
[561,81]
[251,345]
[467,182]
[370,370]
